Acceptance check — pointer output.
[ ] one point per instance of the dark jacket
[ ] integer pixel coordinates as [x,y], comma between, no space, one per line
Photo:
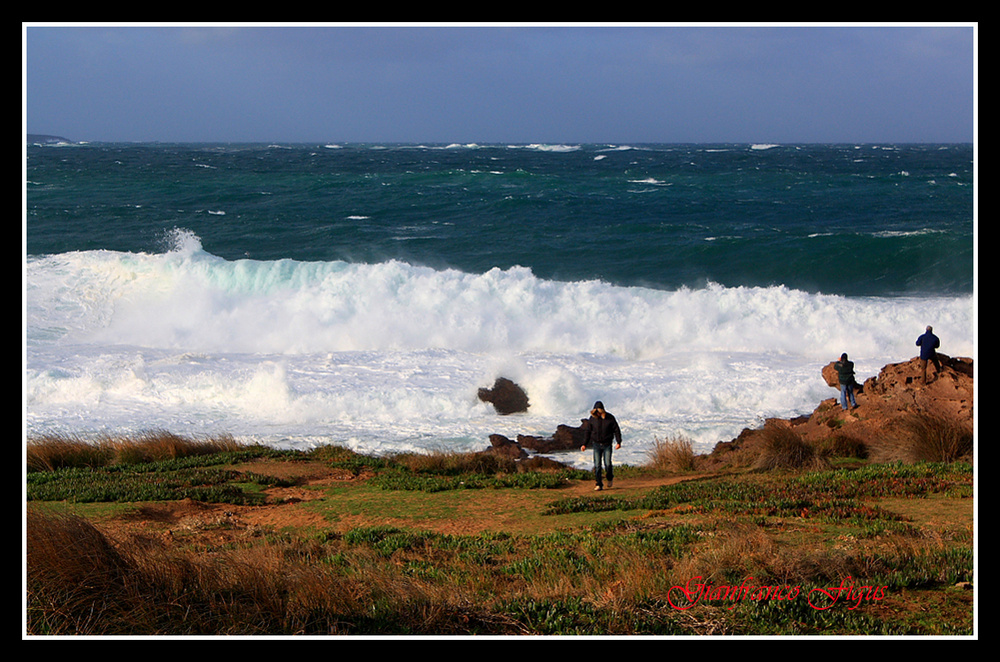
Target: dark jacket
[602,431]
[845,371]
[928,343]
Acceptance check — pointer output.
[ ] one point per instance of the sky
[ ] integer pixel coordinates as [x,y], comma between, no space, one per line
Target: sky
[507,83]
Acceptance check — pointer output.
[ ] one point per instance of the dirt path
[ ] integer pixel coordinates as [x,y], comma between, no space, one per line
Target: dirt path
[287,508]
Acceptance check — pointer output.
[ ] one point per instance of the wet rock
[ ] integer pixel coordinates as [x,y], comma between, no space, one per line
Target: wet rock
[566,438]
[506,397]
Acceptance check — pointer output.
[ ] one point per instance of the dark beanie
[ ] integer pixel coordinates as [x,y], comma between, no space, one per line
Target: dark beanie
[598,405]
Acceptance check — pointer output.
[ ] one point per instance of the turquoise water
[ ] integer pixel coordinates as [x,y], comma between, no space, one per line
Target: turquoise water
[846,219]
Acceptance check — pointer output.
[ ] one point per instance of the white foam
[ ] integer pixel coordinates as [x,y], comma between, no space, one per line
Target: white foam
[390,356]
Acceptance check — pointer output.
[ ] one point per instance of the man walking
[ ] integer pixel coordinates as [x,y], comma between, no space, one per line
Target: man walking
[602,430]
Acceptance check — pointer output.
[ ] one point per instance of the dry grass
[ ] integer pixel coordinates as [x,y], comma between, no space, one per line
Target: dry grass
[740,551]
[84,579]
[783,448]
[74,572]
[82,582]
[674,454]
[937,438]
[50,452]
[924,437]
[840,445]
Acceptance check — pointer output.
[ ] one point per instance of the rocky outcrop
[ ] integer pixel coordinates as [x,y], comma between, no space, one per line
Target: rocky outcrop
[896,391]
[566,438]
[501,445]
[506,396]
[885,402]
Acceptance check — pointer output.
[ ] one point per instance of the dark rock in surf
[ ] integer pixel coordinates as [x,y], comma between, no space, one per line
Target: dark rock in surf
[506,397]
[566,438]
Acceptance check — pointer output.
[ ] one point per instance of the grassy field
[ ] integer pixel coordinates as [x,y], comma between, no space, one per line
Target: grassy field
[167,536]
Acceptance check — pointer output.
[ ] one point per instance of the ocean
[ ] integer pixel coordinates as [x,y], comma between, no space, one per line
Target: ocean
[300,295]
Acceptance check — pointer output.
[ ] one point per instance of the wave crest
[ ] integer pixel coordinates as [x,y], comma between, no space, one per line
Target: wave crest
[188,299]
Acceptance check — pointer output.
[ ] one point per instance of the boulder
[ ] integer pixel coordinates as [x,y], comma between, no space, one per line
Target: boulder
[831,378]
[830,375]
[506,396]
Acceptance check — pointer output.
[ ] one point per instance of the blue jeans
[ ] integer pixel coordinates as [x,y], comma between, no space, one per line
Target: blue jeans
[847,393]
[602,458]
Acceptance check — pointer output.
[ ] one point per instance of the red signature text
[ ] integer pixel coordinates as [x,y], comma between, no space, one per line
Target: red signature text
[697,591]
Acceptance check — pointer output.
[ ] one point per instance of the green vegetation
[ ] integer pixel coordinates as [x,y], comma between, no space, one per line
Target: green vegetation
[60,469]
[870,549]
[835,495]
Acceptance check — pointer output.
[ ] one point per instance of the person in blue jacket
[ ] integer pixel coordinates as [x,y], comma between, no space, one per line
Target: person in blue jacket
[603,431]
[928,344]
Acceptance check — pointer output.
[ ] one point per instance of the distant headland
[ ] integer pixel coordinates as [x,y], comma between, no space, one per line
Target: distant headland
[42,139]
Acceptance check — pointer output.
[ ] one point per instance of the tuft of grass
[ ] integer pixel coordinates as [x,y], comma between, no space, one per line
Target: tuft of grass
[674,454]
[926,437]
[73,574]
[783,448]
[50,453]
[739,550]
